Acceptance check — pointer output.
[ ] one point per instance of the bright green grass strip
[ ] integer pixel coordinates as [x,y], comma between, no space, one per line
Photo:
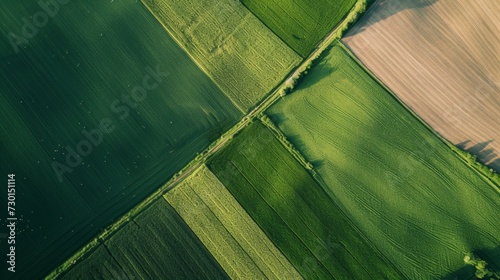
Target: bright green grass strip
[412,196]
[244,58]
[234,239]
[156,245]
[292,209]
[300,23]
[68,78]
[99,265]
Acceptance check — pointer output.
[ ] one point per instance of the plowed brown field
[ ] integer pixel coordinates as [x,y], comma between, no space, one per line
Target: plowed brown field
[442,58]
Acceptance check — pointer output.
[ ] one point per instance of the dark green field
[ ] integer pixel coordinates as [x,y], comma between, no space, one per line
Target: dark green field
[225,228]
[417,201]
[159,245]
[292,209]
[72,76]
[300,23]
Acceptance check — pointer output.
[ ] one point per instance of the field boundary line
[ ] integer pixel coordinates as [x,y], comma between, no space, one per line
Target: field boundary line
[215,146]
[186,51]
[281,137]
[326,191]
[312,174]
[269,28]
[341,22]
[490,179]
[259,193]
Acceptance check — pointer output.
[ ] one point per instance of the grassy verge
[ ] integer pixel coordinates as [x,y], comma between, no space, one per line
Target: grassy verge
[244,58]
[293,210]
[300,24]
[408,193]
[322,47]
[157,244]
[226,138]
[287,144]
[233,238]
[465,156]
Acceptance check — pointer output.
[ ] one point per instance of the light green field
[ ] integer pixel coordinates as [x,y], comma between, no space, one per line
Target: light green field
[68,78]
[233,238]
[157,244]
[415,200]
[244,58]
[293,210]
[300,23]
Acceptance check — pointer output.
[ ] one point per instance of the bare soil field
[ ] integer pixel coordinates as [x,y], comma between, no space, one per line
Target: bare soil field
[442,58]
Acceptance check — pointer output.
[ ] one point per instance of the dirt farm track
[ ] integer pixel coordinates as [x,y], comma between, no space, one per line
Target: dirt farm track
[442,58]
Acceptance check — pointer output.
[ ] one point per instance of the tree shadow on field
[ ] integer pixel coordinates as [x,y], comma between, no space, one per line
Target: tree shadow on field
[320,69]
[317,163]
[297,142]
[491,256]
[483,153]
[464,273]
[467,271]
[380,10]
[278,119]
[495,165]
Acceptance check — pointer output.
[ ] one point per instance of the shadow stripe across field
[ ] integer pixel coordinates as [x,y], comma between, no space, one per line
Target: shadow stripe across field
[234,239]
[243,57]
[65,80]
[159,245]
[414,199]
[293,210]
[441,58]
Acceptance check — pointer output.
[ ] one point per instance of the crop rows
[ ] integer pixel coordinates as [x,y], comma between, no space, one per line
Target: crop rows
[411,196]
[244,58]
[441,59]
[234,239]
[99,265]
[157,244]
[73,76]
[292,209]
[300,23]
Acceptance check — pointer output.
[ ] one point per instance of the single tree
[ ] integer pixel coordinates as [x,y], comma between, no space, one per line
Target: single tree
[482,272]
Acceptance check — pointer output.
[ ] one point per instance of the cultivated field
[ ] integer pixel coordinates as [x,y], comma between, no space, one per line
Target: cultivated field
[157,244]
[233,238]
[442,59]
[76,75]
[241,55]
[293,210]
[301,24]
[412,197]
